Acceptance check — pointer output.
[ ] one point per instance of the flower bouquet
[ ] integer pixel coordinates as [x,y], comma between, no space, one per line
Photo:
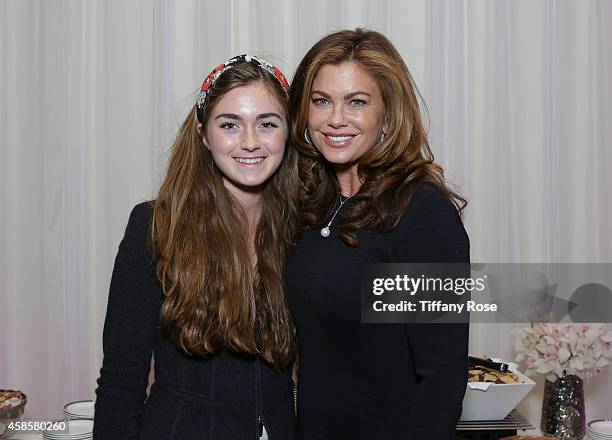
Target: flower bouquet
[552,349]
[566,354]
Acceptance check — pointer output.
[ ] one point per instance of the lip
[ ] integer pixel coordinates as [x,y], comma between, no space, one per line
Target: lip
[338,144]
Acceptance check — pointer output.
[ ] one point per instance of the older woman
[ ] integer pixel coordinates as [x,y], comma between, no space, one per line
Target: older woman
[371,193]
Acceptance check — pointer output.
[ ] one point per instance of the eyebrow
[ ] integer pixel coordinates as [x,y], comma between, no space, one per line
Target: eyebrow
[347,96]
[236,117]
[268,115]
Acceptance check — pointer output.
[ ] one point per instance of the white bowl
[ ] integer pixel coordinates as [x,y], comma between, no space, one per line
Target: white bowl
[497,401]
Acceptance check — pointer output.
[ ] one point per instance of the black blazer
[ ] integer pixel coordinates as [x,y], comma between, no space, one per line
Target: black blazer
[220,397]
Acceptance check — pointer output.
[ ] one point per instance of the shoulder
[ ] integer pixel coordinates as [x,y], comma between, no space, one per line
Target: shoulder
[429,205]
[140,217]
[136,240]
[431,228]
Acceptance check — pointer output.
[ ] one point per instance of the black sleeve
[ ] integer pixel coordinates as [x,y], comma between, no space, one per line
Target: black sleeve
[435,234]
[129,328]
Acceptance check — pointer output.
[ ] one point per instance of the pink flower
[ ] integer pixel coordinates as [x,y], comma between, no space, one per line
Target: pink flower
[551,349]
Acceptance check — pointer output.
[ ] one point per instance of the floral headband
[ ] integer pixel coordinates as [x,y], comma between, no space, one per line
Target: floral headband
[209,81]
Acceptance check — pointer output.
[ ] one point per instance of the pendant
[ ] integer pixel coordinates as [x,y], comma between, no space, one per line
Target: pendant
[325,232]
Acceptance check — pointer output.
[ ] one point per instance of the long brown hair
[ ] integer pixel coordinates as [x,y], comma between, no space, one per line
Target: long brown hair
[214,298]
[393,170]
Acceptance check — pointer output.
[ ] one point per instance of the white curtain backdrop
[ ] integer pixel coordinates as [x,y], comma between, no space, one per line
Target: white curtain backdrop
[520,104]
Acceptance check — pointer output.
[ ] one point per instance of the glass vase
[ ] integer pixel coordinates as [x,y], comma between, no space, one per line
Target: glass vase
[563,413]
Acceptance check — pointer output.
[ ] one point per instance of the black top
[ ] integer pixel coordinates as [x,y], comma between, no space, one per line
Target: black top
[218,397]
[376,381]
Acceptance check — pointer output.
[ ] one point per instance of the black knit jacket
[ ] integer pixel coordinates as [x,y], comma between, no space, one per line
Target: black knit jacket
[219,397]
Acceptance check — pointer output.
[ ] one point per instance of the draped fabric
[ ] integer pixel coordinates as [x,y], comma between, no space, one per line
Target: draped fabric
[519,99]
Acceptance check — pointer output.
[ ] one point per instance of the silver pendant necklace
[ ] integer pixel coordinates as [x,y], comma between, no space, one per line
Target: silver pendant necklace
[325,232]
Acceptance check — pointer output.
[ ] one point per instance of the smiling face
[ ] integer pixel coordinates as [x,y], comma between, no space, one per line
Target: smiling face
[346,113]
[246,134]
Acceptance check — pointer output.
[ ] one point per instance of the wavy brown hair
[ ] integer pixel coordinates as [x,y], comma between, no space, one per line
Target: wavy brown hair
[214,297]
[392,171]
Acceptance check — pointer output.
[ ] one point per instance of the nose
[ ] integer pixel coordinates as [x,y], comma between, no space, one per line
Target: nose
[250,141]
[337,118]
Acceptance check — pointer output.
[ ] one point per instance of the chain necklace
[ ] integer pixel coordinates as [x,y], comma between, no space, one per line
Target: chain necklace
[325,232]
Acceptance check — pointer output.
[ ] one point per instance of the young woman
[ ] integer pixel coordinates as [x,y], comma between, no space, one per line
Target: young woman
[371,193]
[197,280]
